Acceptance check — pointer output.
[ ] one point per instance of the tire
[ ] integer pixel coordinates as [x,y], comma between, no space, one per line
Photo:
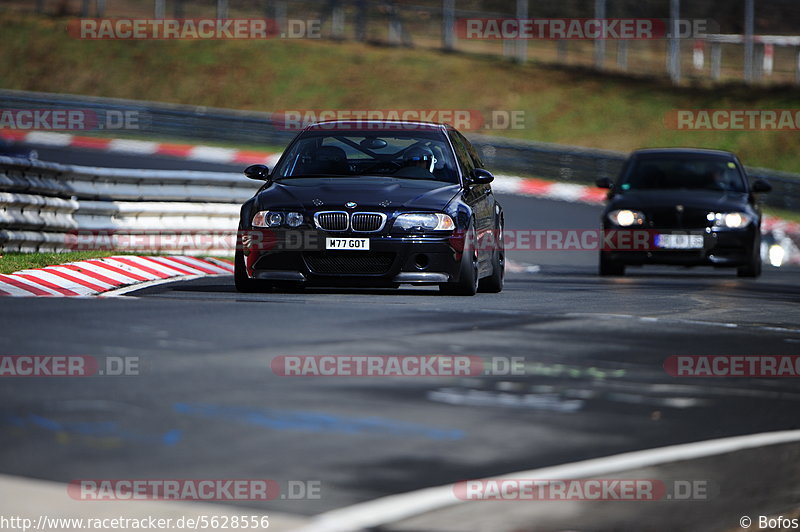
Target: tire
[609,267]
[244,283]
[753,268]
[494,283]
[467,284]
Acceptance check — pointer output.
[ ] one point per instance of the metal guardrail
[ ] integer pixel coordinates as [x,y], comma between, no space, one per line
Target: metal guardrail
[45,206]
[549,161]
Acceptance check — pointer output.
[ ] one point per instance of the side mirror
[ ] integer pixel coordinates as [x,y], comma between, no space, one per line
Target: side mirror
[759,185]
[259,172]
[604,182]
[481,177]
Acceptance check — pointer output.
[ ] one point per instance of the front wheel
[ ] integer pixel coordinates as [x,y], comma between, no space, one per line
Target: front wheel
[467,284]
[753,268]
[240,278]
[494,283]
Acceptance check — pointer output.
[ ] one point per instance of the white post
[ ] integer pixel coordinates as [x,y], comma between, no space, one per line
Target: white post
[599,44]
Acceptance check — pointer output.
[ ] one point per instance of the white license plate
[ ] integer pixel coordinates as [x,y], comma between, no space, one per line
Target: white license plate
[357,244]
[679,241]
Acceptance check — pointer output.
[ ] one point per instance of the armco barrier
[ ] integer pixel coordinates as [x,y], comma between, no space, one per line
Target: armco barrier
[549,161]
[42,204]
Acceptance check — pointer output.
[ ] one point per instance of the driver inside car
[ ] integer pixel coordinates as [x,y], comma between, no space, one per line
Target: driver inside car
[418,163]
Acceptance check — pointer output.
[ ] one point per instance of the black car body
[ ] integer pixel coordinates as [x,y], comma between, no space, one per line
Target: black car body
[344,208]
[697,207]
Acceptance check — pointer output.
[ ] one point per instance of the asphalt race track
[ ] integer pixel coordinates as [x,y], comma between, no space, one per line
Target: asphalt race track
[207,405]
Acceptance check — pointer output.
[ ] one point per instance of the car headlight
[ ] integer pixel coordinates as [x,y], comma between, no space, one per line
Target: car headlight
[294,219]
[731,220]
[424,222]
[626,218]
[267,219]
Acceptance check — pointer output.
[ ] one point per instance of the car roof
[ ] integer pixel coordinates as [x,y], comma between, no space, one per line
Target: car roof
[683,151]
[390,125]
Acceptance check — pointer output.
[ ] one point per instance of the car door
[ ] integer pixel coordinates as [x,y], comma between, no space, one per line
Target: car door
[478,197]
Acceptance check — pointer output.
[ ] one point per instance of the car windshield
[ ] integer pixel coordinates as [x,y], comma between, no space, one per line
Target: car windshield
[684,172]
[370,153]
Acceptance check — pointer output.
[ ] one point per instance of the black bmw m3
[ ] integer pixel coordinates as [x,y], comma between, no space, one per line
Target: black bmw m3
[696,206]
[373,204]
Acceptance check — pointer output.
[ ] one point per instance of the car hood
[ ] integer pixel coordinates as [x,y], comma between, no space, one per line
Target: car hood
[711,200]
[368,192]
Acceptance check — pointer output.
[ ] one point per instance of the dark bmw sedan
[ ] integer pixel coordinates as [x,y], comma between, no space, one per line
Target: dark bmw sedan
[373,204]
[695,206]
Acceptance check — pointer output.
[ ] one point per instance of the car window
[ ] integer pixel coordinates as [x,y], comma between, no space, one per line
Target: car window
[473,153]
[464,159]
[363,153]
[676,172]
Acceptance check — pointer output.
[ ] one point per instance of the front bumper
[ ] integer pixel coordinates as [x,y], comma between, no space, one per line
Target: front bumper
[721,247]
[391,260]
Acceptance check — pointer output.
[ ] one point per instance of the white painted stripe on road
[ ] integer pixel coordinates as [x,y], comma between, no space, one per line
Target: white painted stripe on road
[205,264]
[397,507]
[105,272]
[58,281]
[128,268]
[48,138]
[142,147]
[209,153]
[79,275]
[13,291]
[155,265]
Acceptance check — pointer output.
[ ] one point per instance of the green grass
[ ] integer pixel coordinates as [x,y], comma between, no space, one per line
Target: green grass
[13,262]
[568,106]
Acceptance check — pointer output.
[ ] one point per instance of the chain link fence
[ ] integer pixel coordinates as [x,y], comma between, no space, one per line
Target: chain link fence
[725,53]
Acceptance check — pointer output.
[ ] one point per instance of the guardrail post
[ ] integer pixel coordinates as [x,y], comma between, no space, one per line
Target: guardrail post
[361,20]
[85,8]
[177,8]
[222,9]
[622,54]
[159,9]
[599,44]
[674,41]
[448,24]
[281,15]
[337,21]
[100,8]
[561,50]
[749,15]
[797,63]
[40,6]
[522,44]
[395,25]
[716,60]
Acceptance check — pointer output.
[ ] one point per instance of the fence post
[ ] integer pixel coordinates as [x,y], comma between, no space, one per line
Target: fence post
[674,41]
[337,21]
[522,44]
[599,44]
[448,24]
[222,9]
[749,14]
[622,54]
[561,49]
[158,9]
[280,16]
[395,25]
[85,8]
[716,60]
[100,8]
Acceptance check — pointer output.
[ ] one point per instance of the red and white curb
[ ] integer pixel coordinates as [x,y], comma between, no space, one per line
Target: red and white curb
[96,276]
[143,147]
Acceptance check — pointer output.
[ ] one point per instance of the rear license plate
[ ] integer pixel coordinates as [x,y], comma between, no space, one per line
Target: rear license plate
[356,244]
[679,241]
